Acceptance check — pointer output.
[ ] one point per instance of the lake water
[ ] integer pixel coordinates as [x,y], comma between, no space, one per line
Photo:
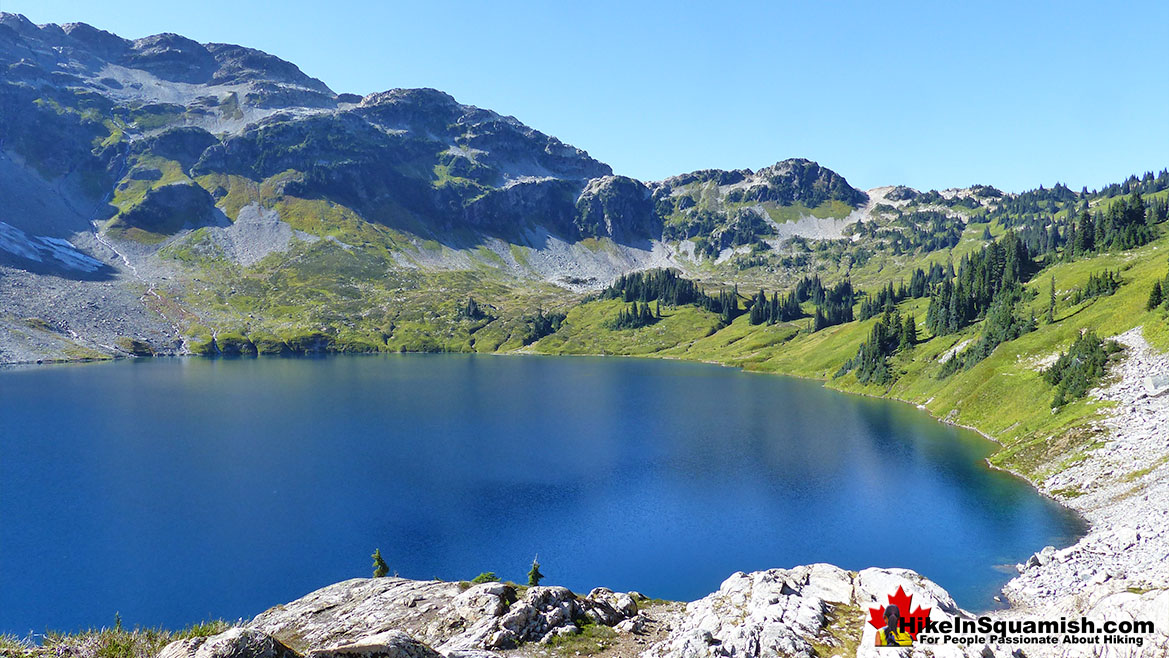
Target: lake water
[174,491]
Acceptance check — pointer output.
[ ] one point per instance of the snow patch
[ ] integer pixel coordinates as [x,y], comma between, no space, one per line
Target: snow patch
[38,248]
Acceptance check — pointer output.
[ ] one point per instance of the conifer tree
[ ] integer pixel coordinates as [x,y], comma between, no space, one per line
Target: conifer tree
[380,568]
[1156,296]
[908,333]
[1051,303]
[534,576]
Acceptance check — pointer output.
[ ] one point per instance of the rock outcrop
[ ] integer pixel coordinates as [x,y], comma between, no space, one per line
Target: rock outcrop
[390,644]
[359,612]
[233,643]
[807,611]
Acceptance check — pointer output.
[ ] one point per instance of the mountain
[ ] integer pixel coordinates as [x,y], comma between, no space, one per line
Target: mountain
[171,166]
[166,196]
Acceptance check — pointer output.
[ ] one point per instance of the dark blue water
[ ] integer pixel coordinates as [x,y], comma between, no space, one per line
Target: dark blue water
[172,491]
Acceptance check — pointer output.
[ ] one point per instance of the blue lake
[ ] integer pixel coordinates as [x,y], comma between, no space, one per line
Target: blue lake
[172,491]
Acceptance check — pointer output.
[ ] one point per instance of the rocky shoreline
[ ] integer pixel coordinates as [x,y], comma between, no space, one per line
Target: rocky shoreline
[1120,568]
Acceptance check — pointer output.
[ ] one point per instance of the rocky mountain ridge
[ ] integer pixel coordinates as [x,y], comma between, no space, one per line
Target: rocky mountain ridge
[411,158]
[143,156]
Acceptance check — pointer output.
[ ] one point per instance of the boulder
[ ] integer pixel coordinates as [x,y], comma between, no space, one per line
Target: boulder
[233,643]
[484,600]
[346,612]
[608,608]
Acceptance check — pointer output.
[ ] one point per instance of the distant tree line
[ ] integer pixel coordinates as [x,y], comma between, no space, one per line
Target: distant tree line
[776,309]
[636,316]
[1059,225]
[833,305]
[665,285]
[657,284]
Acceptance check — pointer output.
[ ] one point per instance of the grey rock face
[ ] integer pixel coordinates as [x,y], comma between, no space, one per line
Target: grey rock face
[104,44]
[234,643]
[609,608]
[237,65]
[902,193]
[488,616]
[390,644]
[171,57]
[348,611]
[618,207]
[796,180]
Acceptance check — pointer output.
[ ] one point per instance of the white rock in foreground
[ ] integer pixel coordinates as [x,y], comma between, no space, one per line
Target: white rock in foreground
[782,612]
[233,643]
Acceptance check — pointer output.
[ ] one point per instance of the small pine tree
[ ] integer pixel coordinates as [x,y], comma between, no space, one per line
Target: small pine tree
[380,568]
[1156,296]
[534,576]
[1051,304]
[908,333]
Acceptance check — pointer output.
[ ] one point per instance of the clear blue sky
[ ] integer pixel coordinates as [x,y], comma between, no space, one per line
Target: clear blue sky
[930,94]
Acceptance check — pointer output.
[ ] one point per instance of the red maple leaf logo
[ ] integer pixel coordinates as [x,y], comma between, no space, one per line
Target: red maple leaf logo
[912,622]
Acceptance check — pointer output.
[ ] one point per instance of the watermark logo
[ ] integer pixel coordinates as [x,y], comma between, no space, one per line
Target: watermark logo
[896,625]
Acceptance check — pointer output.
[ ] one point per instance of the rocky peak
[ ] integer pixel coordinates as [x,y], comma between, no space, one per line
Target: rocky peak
[107,45]
[80,56]
[718,176]
[785,183]
[19,25]
[902,193]
[420,96]
[171,57]
[238,65]
[798,180]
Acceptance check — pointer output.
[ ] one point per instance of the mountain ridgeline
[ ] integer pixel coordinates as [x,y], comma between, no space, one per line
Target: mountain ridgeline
[124,121]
